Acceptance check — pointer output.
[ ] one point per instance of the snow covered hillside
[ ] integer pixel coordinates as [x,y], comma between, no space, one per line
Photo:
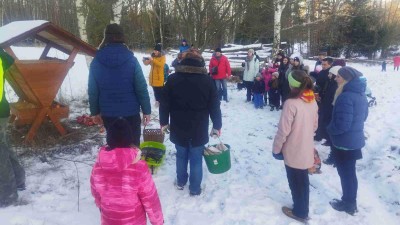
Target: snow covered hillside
[251,193]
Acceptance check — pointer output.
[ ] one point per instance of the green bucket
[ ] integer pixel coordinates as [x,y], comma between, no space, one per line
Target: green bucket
[221,163]
[153,153]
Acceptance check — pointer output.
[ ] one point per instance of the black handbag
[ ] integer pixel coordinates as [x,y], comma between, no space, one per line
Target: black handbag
[214,70]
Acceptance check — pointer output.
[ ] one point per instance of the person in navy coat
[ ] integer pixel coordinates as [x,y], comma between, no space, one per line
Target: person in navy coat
[346,130]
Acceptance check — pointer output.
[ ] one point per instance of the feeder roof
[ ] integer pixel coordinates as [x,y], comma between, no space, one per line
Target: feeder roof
[44,31]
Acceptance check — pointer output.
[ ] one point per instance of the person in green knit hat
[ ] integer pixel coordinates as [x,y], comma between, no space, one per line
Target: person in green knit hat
[12,175]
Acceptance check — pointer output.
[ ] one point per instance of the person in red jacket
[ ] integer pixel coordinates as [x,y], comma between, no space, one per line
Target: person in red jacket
[220,69]
[396,62]
[121,183]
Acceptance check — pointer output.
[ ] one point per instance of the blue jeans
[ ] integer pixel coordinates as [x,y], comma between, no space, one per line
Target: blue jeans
[222,89]
[258,100]
[194,155]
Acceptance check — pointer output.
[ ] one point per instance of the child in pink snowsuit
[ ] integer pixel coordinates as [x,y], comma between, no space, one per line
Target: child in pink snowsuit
[267,76]
[121,183]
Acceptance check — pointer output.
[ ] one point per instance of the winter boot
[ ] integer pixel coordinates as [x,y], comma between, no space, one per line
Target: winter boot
[342,206]
[329,160]
[289,213]
[272,108]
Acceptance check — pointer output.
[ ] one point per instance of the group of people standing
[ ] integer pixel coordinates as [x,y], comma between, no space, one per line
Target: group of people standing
[121,183]
[332,103]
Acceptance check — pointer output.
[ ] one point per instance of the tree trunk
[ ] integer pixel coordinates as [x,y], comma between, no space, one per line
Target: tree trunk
[117,11]
[279,5]
[81,20]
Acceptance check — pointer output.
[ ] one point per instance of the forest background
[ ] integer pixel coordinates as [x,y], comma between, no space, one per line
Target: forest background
[349,28]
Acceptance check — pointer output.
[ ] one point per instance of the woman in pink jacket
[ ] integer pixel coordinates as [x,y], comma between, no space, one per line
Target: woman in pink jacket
[294,141]
[121,183]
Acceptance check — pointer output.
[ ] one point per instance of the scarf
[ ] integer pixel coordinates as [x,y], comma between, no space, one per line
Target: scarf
[308,96]
[248,60]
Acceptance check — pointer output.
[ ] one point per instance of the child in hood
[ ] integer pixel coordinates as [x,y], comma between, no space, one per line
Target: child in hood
[267,76]
[121,183]
[258,91]
[273,92]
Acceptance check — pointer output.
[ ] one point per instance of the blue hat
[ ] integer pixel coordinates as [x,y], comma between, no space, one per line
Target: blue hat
[349,73]
[184,40]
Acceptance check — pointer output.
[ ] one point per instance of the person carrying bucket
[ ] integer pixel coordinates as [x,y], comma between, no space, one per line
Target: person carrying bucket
[189,99]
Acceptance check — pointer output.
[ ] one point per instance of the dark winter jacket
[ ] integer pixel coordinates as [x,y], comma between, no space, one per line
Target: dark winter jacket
[117,86]
[346,128]
[329,91]
[184,48]
[7,61]
[224,68]
[273,93]
[322,79]
[283,81]
[258,87]
[189,99]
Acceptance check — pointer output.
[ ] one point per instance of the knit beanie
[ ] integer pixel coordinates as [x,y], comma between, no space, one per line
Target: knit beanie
[158,47]
[218,50]
[334,70]
[276,74]
[349,73]
[251,51]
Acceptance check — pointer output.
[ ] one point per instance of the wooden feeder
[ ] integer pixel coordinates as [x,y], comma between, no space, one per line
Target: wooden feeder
[36,82]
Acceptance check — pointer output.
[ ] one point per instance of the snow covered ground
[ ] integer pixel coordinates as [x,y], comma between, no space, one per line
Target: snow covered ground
[251,193]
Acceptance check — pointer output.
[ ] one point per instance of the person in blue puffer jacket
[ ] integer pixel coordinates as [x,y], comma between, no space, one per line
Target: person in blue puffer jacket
[346,129]
[117,87]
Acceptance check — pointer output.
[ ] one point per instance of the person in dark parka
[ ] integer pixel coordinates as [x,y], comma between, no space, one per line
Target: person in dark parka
[346,130]
[117,87]
[12,174]
[320,89]
[283,82]
[189,99]
[326,108]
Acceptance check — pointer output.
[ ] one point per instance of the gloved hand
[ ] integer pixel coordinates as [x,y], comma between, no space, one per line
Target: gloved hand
[165,129]
[215,133]
[278,156]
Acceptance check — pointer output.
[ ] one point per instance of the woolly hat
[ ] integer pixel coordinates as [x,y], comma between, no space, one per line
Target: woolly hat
[276,74]
[184,40]
[119,134]
[334,70]
[113,33]
[113,29]
[158,47]
[192,57]
[251,51]
[258,75]
[349,73]
[218,50]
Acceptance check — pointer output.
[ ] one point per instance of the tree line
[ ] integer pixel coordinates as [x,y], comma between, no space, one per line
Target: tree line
[341,27]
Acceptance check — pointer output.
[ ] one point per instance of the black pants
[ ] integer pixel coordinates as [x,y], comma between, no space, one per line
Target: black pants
[157,93]
[249,87]
[348,178]
[134,121]
[299,186]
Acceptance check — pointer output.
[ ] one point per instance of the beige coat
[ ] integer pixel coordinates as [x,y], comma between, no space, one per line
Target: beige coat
[295,136]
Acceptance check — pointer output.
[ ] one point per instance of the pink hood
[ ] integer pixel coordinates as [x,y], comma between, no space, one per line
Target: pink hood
[118,159]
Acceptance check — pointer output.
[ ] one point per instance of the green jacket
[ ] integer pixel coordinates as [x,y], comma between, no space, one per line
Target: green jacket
[6,62]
